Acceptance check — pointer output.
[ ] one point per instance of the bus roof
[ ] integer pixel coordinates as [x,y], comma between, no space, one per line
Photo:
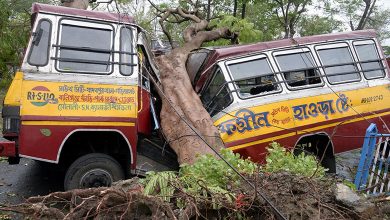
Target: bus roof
[224,52]
[218,53]
[98,15]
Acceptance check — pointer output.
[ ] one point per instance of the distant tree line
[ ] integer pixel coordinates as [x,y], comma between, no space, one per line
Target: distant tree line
[255,20]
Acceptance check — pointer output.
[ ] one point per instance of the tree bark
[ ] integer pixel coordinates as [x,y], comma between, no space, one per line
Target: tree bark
[243,10]
[183,102]
[235,8]
[366,14]
[80,4]
[208,10]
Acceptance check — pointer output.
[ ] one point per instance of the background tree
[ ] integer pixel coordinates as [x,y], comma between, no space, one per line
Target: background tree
[288,13]
[356,12]
[315,24]
[220,15]
[360,14]
[380,21]
[262,15]
[14,32]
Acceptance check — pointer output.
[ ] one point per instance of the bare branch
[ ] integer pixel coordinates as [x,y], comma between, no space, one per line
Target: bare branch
[155,6]
[164,29]
[369,14]
[188,15]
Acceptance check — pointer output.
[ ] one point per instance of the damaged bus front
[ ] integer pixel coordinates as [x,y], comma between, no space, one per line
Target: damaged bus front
[82,99]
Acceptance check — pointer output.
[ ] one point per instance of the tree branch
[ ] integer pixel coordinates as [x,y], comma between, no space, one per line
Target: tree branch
[155,6]
[369,14]
[186,14]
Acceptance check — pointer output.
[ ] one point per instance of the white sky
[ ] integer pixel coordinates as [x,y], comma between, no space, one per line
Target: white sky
[386,5]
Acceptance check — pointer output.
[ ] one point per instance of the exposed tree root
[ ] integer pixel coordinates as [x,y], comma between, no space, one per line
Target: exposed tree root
[296,197]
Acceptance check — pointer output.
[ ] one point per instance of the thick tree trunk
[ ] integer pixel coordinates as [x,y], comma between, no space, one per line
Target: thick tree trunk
[177,87]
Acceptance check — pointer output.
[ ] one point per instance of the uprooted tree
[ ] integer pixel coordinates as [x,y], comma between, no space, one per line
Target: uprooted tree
[183,118]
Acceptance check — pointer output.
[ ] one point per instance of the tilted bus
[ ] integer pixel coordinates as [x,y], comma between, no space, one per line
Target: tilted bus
[316,93]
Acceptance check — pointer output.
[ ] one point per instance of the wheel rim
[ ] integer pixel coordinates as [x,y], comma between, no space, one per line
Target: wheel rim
[96,178]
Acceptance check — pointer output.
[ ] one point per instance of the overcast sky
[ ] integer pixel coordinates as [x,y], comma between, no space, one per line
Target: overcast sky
[385,4]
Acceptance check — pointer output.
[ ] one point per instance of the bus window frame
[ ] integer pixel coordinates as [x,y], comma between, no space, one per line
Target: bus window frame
[246,59]
[133,52]
[337,44]
[84,24]
[289,51]
[48,46]
[380,59]
[214,71]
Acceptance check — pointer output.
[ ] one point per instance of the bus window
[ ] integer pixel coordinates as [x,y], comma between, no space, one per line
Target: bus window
[339,66]
[85,48]
[127,51]
[299,69]
[371,64]
[216,96]
[40,46]
[253,77]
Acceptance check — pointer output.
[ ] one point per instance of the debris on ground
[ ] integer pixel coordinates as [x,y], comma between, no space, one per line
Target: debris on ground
[209,189]
[294,196]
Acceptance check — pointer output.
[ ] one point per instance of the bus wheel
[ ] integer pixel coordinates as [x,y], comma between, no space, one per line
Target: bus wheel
[93,170]
[329,162]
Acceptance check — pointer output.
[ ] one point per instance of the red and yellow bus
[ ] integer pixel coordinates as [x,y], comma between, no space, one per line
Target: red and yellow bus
[319,93]
[81,99]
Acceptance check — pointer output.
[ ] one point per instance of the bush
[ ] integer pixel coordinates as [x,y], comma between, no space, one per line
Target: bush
[210,176]
[280,159]
[207,176]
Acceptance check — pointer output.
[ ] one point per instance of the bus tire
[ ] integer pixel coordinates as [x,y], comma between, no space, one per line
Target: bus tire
[329,163]
[93,170]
